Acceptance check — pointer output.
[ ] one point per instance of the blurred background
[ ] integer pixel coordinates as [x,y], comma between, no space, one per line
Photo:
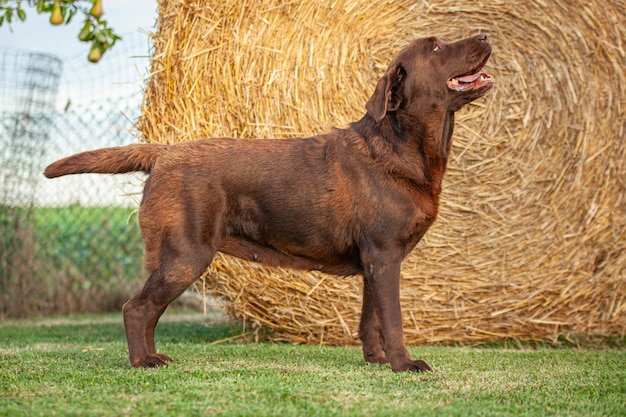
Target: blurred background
[69,245]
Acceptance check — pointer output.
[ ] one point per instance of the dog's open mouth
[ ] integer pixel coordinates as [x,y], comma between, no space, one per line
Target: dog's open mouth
[470,82]
[474,80]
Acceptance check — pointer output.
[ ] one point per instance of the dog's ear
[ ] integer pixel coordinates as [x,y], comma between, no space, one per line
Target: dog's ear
[388,94]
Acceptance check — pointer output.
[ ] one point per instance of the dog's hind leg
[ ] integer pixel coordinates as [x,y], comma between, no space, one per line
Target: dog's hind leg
[142,312]
[370,330]
[179,244]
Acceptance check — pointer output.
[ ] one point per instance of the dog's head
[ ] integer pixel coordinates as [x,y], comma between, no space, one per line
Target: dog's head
[432,75]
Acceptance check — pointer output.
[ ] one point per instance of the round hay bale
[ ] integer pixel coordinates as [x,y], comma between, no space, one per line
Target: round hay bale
[530,242]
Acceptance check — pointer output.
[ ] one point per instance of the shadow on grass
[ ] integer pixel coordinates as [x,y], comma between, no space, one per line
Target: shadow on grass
[196,328]
[562,342]
[189,330]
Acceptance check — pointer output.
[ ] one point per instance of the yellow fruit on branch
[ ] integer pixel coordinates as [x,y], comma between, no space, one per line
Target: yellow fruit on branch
[85,32]
[96,11]
[94,54]
[56,17]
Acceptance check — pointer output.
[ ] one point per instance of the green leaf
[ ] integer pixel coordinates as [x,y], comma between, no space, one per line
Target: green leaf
[101,37]
[46,7]
[72,13]
[21,14]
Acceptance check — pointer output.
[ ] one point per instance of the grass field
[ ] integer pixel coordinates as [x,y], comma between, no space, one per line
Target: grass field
[78,366]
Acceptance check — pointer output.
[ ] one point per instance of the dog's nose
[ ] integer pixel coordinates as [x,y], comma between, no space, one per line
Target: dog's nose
[483,37]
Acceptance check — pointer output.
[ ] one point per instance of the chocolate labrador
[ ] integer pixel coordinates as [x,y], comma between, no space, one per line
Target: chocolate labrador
[354,201]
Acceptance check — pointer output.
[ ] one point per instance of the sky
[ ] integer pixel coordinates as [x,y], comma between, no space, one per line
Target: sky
[126,62]
[36,34]
[121,72]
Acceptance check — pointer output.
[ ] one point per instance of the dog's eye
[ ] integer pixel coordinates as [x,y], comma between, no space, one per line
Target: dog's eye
[436,48]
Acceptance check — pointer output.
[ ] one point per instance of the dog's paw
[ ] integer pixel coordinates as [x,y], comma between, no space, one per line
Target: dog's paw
[413,366]
[378,359]
[152,361]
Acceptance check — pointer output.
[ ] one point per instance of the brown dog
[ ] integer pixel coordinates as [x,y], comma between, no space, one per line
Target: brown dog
[352,201]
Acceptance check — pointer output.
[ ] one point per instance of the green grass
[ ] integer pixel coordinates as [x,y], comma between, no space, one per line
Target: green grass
[99,242]
[62,260]
[79,366]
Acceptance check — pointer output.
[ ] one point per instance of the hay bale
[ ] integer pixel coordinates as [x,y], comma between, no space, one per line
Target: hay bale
[530,242]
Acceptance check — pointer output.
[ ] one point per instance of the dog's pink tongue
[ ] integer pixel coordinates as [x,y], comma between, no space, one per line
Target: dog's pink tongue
[469,78]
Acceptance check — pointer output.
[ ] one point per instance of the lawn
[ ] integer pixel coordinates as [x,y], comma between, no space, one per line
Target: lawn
[78,366]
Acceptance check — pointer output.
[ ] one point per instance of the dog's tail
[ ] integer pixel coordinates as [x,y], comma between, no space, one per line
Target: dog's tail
[116,160]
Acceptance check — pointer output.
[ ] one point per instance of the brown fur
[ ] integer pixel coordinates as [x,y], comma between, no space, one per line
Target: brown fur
[355,200]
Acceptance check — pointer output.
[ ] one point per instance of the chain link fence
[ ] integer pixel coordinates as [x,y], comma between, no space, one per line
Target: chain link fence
[72,244]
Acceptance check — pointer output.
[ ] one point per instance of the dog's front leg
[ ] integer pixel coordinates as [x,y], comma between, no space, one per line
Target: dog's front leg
[383,278]
[370,330]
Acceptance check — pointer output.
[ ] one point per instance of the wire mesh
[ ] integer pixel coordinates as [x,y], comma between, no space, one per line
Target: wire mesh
[71,244]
